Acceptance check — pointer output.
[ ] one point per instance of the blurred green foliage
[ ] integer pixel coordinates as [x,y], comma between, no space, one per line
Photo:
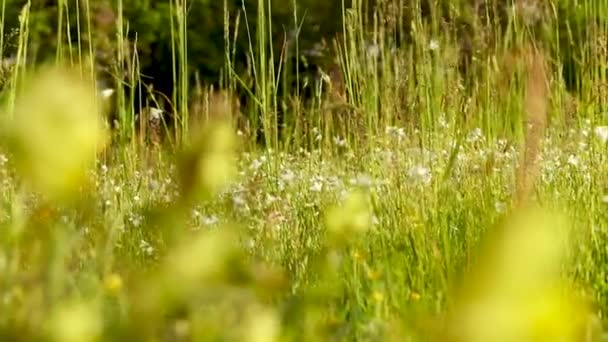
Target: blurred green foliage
[148,23]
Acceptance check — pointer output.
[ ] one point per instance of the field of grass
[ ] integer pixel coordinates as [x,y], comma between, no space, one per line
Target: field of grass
[419,204]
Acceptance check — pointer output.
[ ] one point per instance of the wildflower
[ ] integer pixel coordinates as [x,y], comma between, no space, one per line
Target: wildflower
[182,328]
[605,199]
[263,326]
[113,283]
[240,203]
[475,135]
[421,173]
[378,296]
[208,166]
[433,45]
[357,255]
[210,220]
[75,322]
[56,131]
[415,296]
[500,207]
[288,176]
[362,180]
[516,293]
[373,275]
[340,142]
[352,217]
[146,247]
[155,114]
[573,160]
[317,186]
[106,93]
[601,132]
[373,50]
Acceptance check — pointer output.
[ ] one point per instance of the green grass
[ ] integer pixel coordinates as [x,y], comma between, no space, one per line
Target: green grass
[366,220]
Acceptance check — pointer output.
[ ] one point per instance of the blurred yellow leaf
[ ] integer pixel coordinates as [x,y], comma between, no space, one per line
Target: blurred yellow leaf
[55,131]
[516,293]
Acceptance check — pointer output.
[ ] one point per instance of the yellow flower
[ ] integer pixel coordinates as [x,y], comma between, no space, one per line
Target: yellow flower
[55,131]
[208,165]
[378,296]
[353,217]
[113,283]
[75,322]
[373,275]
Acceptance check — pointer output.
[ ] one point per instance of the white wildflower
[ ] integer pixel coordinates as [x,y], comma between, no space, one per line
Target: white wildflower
[373,50]
[475,135]
[146,247]
[421,173]
[433,45]
[573,160]
[155,114]
[317,186]
[340,142]
[106,93]
[210,220]
[601,132]
[288,176]
[239,202]
[500,207]
[362,180]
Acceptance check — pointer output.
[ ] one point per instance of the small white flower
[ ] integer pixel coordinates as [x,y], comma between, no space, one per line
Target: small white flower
[573,160]
[135,221]
[288,176]
[256,164]
[421,173]
[136,198]
[375,220]
[210,220]
[339,141]
[270,199]
[433,45]
[316,186]
[106,93]
[146,247]
[373,50]
[239,202]
[602,133]
[475,135]
[3,159]
[155,114]
[500,207]
[362,180]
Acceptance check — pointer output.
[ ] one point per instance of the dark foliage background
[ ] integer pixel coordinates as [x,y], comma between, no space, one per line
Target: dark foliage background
[147,22]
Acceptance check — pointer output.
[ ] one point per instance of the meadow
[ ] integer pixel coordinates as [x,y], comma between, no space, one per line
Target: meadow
[403,201]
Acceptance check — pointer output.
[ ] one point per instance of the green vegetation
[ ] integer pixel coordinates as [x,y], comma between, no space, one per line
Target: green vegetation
[444,179]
